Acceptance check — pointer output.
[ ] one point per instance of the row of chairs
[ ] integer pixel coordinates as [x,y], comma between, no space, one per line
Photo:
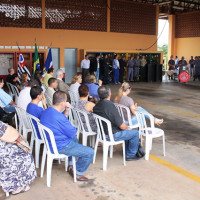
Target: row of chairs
[28,122]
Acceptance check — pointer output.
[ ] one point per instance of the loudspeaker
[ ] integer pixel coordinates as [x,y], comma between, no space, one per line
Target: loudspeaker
[159,73]
[151,72]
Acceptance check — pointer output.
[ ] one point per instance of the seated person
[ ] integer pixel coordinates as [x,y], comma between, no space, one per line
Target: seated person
[40,78]
[50,74]
[15,81]
[53,84]
[37,96]
[76,82]
[24,96]
[93,87]
[6,100]
[11,71]
[56,119]
[62,86]
[84,105]
[127,101]
[24,80]
[17,167]
[105,108]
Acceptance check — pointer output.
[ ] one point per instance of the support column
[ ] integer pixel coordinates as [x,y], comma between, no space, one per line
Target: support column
[171,46]
[43,14]
[108,15]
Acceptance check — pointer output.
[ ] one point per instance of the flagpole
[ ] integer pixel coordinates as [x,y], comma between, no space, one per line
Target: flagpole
[17,45]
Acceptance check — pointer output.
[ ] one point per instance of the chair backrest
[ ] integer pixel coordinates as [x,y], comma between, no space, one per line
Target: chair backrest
[141,118]
[22,115]
[73,118]
[9,88]
[15,90]
[48,138]
[83,120]
[122,110]
[103,127]
[74,97]
[33,122]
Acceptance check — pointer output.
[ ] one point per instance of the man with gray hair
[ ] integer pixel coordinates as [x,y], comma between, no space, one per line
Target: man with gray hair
[11,71]
[105,108]
[62,86]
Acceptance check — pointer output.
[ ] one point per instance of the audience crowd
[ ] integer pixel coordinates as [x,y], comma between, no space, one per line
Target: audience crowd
[47,98]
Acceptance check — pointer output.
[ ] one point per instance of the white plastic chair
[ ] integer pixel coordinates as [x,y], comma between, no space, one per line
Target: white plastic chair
[11,93]
[102,137]
[52,153]
[74,97]
[37,138]
[24,124]
[85,128]
[122,109]
[149,132]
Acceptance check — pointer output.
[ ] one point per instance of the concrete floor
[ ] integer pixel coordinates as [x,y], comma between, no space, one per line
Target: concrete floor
[178,104]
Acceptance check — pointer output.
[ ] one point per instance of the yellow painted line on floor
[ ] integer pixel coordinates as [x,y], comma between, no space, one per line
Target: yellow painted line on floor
[170,109]
[175,168]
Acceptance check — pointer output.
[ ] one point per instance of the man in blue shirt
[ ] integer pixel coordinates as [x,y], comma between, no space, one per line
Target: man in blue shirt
[56,119]
[33,108]
[6,101]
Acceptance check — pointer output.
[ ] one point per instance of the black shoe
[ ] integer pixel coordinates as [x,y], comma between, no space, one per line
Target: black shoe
[132,158]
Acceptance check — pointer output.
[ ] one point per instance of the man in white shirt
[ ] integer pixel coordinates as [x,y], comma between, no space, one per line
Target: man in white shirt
[85,65]
[53,84]
[24,96]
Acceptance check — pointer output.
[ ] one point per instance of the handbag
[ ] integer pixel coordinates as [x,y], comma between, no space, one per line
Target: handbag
[140,153]
[22,143]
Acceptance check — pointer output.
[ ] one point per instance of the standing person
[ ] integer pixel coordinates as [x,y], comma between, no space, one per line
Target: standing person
[6,100]
[105,108]
[176,62]
[171,65]
[17,167]
[62,86]
[130,64]
[122,64]
[50,74]
[137,68]
[197,68]
[56,119]
[191,61]
[143,69]
[116,68]
[11,71]
[85,65]
[98,68]
[106,70]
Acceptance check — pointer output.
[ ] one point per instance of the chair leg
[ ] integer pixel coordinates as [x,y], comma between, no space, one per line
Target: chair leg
[124,153]
[37,153]
[147,149]
[32,141]
[49,169]
[43,161]
[84,142]
[7,194]
[164,145]
[20,128]
[95,149]
[111,151]
[105,156]
[74,167]
[66,163]
[16,122]
[25,134]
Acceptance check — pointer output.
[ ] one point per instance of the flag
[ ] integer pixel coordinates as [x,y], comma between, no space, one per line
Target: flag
[36,64]
[48,64]
[22,66]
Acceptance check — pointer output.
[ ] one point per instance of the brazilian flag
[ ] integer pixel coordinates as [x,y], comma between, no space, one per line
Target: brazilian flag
[36,64]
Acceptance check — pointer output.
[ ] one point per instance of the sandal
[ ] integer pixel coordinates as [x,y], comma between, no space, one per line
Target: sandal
[24,189]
